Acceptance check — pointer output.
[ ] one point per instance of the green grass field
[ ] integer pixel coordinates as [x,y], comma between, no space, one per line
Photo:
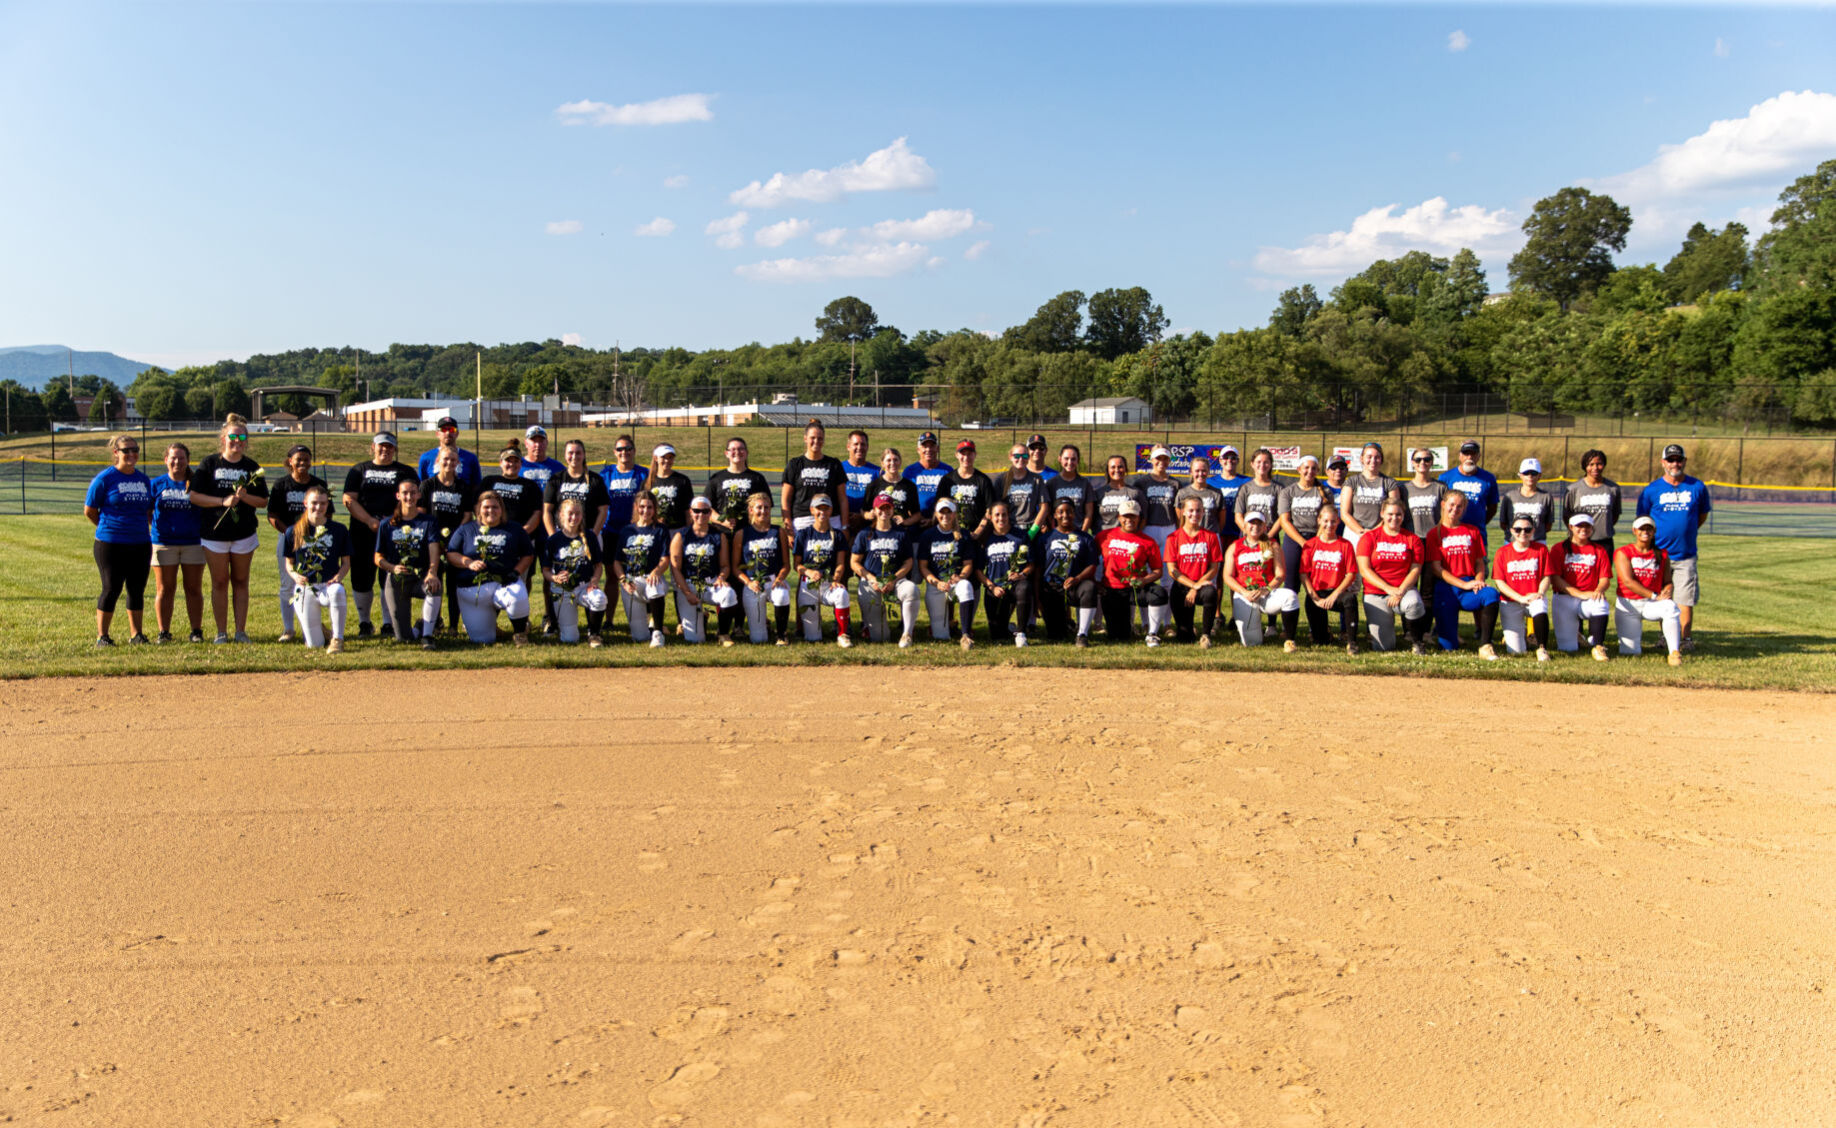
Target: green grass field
[1767,623]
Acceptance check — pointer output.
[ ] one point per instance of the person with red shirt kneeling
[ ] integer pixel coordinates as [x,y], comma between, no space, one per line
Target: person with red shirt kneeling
[1329,575]
[1132,571]
[1456,557]
[1194,557]
[1521,571]
[1643,572]
[1582,573]
[1390,559]
[1253,571]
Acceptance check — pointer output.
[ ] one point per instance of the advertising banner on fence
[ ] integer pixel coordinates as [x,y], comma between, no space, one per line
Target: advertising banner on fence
[1182,454]
[1287,458]
[1396,463]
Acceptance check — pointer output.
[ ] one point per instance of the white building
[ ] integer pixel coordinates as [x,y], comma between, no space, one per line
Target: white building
[421,414]
[782,412]
[1111,409]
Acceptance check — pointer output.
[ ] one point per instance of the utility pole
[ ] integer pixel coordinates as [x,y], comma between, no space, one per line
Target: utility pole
[478,400]
[852,337]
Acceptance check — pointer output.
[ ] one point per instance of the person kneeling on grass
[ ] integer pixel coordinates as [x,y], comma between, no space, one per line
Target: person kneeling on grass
[882,559]
[1456,557]
[640,567]
[572,567]
[318,557]
[820,554]
[1582,573]
[408,552]
[1068,573]
[1329,575]
[1007,577]
[1390,559]
[1132,571]
[1645,590]
[761,560]
[1253,572]
[947,560]
[1521,572]
[1194,559]
[490,557]
[698,558]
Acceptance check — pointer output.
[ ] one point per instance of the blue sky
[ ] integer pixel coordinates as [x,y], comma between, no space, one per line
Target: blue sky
[184,182]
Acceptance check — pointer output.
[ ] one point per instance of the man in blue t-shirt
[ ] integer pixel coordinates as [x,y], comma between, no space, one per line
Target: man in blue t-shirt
[1679,504]
[1228,482]
[1478,484]
[537,466]
[926,472]
[448,430]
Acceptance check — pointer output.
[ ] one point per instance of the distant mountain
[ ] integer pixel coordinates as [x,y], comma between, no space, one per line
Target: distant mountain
[36,365]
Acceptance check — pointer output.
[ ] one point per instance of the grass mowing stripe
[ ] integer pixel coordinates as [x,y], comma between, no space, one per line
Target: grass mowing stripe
[1767,623]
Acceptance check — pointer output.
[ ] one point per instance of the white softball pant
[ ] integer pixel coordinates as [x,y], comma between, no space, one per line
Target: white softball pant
[1566,616]
[873,609]
[569,601]
[307,600]
[1248,615]
[1382,618]
[1631,615]
[479,606]
[1515,618]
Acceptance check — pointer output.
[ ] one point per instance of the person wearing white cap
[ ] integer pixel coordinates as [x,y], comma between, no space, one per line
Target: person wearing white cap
[1253,571]
[820,554]
[669,487]
[762,563]
[1227,482]
[698,559]
[1522,573]
[1581,574]
[1158,489]
[947,562]
[882,557]
[1530,500]
[639,553]
[1645,589]
[1390,562]
[1133,574]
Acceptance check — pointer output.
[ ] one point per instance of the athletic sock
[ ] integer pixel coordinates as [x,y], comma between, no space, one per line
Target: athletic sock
[1085,617]
[655,608]
[1539,630]
[364,601]
[782,614]
[1486,618]
[520,626]
[841,620]
[595,619]
[1596,630]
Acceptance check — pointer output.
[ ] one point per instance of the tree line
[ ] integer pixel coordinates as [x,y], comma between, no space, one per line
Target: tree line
[1728,327]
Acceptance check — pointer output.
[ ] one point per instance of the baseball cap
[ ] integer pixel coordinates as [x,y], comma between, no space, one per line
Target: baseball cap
[942,503]
[882,501]
[1160,452]
[1644,523]
[445,422]
[1257,515]
[927,437]
[1581,519]
[700,502]
[966,444]
[386,437]
[1530,466]
[1228,451]
[821,501]
[1338,462]
[1469,447]
[1037,442]
[1673,453]
[535,430]
[1129,508]
[661,450]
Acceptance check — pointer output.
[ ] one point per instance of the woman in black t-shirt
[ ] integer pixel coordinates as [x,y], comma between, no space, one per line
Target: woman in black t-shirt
[317,558]
[286,502]
[639,554]
[669,488]
[231,483]
[698,557]
[812,473]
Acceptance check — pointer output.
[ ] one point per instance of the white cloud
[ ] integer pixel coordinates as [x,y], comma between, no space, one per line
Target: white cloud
[678,181]
[570,338]
[934,261]
[656,228]
[673,110]
[883,260]
[1459,41]
[1383,233]
[894,167]
[1778,139]
[1721,48]
[940,223]
[976,250]
[726,231]
[831,236]
[778,234]
[565,227]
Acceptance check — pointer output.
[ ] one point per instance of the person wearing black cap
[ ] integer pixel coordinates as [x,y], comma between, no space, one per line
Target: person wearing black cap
[812,473]
[286,504]
[1678,505]
[447,433]
[1337,467]
[970,489]
[369,497]
[926,472]
[1478,484]
[1036,462]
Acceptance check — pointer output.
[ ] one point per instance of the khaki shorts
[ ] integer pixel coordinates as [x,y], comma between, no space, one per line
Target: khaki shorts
[1683,582]
[165,556]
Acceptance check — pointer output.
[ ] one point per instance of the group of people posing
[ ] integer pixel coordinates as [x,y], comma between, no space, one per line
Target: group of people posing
[1041,551]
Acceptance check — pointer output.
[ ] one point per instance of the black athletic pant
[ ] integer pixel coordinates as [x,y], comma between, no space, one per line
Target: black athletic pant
[1119,605]
[1318,617]
[1182,611]
[1057,604]
[363,557]
[1016,606]
[398,596]
[123,566]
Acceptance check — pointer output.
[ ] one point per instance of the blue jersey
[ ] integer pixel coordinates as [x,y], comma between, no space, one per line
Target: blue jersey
[1678,511]
[926,481]
[882,553]
[1067,554]
[622,487]
[1230,488]
[318,555]
[818,550]
[175,519]
[761,552]
[639,548]
[702,556]
[1004,556]
[859,478]
[1481,490]
[945,553]
[405,542]
[541,471]
[501,549]
[126,503]
[469,472]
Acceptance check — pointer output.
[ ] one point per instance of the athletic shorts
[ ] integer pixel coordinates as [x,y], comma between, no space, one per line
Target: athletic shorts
[1683,582]
[165,556]
[242,547]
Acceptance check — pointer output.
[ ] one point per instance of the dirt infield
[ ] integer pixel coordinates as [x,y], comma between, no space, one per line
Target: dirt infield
[868,898]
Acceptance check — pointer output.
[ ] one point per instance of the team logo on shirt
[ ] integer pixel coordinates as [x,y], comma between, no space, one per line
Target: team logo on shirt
[132,491]
[311,558]
[408,539]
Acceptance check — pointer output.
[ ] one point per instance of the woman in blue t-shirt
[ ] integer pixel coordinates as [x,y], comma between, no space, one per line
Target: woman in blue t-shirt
[176,551]
[120,505]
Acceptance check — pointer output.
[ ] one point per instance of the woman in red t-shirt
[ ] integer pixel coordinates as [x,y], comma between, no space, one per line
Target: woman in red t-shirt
[1253,571]
[1329,579]
[1390,559]
[1194,557]
[1131,572]
[1642,570]
[1582,574]
[1521,573]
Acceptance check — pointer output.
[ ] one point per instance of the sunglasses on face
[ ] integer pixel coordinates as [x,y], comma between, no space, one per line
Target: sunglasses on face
[129,450]
[1523,530]
[238,438]
[1017,455]
[622,450]
[1421,460]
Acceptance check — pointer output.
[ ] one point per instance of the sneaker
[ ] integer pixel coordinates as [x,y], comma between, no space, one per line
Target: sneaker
[1676,658]
[966,642]
[1351,648]
[1204,642]
[550,627]
[1153,640]
[1288,646]
[1542,655]
[164,638]
[1083,642]
[243,637]
[594,642]
[1689,644]
[427,642]
[844,641]
[725,641]
[221,638]
[335,646]
[287,636]
[1419,650]
[1020,641]
[905,642]
[1600,654]
[139,640]
[104,641]
[365,630]
[656,639]
[520,638]
[195,636]
[1486,652]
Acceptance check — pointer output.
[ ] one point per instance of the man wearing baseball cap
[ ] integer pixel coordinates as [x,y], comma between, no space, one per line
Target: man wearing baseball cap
[537,466]
[927,471]
[1478,484]
[1036,452]
[447,431]
[1678,505]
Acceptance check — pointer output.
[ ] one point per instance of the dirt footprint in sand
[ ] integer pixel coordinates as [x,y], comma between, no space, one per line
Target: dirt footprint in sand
[683,1085]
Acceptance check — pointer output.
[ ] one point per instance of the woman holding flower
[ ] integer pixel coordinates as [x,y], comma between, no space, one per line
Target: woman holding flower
[231,482]
[317,558]
[490,557]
